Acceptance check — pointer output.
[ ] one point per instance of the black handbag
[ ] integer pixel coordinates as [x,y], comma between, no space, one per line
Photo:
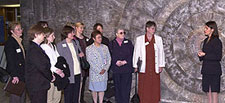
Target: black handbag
[4,76]
[84,63]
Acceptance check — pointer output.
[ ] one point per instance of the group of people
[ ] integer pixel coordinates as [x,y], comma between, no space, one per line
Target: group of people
[36,66]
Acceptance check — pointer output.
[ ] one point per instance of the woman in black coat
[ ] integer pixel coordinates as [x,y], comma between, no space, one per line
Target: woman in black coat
[15,56]
[211,55]
[37,71]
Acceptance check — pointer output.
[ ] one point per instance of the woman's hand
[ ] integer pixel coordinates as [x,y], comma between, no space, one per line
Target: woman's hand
[124,62]
[81,54]
[15,80]
[119,63]
[102,72]
[60,73]
[53,78]
[160,69]
[200,54]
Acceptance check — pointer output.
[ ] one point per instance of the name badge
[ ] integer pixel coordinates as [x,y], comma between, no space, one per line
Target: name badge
[146,43]
[87,39]
[18,50]
[64,65]
[126,41]
[64,45]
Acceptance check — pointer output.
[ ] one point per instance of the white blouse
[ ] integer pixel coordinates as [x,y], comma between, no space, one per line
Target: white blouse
[52,54]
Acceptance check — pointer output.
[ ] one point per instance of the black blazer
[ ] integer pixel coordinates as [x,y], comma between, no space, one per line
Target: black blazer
[37,71]
[15,59]
[211,61]
[123,52]
[61,83]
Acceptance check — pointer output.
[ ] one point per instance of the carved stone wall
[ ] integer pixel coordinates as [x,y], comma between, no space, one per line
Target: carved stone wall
[180,23]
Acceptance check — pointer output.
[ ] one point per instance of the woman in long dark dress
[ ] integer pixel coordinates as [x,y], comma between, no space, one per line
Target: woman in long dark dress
[211,55]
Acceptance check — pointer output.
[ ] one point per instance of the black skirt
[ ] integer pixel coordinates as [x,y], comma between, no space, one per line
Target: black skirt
[211,82]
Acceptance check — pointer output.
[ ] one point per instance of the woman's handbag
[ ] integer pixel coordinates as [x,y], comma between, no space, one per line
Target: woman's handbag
[84,63]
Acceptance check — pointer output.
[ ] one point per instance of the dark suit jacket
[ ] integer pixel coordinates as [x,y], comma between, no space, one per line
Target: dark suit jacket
[15,59]
[37,71]
[123,52]
[211,61]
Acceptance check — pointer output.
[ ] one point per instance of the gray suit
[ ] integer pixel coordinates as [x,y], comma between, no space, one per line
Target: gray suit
[64,51]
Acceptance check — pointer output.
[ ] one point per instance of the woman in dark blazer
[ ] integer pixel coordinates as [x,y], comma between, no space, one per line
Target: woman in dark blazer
[68,48]
[211,55]
[37,71]
[121,50]
[15,56]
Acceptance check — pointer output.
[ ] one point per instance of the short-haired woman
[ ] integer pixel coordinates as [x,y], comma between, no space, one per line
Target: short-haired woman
[99,58]
[15,56]
[68,48]
[121,50]
[37,71]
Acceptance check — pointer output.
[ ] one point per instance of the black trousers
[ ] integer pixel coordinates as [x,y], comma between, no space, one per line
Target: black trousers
[17,99]
[38,96]
[122,83]
[83,89]
[71,92]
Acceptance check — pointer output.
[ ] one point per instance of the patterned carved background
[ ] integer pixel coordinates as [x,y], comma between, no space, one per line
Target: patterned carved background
[180,23]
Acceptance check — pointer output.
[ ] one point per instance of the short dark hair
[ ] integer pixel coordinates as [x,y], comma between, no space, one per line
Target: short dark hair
[149,24]
[95,33]
[213,25]
[35,29]
[65,31]
[42,23]
[96,25]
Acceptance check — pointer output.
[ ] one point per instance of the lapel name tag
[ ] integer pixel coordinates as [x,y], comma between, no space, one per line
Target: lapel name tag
[146,43]
[63,45]
[18,50]
[125,41]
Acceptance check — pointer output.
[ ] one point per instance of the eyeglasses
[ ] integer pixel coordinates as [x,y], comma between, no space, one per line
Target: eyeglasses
[122,33]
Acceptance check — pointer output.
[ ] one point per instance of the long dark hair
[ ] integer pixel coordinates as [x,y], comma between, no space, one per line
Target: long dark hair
[213,25]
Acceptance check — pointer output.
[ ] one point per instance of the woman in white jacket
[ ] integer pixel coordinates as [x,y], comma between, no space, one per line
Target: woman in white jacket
[149,48]
[54,95]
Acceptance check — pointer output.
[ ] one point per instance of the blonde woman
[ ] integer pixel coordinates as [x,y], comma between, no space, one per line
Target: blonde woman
[79,35]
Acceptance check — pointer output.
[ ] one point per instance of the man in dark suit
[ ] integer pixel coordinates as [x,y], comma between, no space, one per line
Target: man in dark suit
[15,55]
